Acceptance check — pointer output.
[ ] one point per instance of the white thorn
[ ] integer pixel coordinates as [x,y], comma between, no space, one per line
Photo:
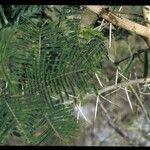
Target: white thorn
[97,100]
[128,98]
[100,83]
[116,77]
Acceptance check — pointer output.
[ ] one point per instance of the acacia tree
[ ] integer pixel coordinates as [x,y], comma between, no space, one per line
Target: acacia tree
[49,61]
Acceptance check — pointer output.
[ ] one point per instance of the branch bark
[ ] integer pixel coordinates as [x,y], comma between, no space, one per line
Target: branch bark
[124,23]
[146,15]
[124,84]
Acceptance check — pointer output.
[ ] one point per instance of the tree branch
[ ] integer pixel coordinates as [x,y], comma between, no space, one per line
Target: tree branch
[134,55]
[124,84]
[124,23]
[146,15]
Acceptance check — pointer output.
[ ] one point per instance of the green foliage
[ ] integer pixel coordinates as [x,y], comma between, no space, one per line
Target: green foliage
[10,14]
[88,33]
[43,64]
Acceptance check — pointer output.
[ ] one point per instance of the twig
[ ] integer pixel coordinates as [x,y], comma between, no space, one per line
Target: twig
[133,55]
[109,101]
[112,92]
[124,84]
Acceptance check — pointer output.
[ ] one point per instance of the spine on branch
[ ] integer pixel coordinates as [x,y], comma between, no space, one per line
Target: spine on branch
[102,11]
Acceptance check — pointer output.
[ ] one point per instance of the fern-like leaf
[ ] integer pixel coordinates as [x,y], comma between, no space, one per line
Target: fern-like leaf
[43,65]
